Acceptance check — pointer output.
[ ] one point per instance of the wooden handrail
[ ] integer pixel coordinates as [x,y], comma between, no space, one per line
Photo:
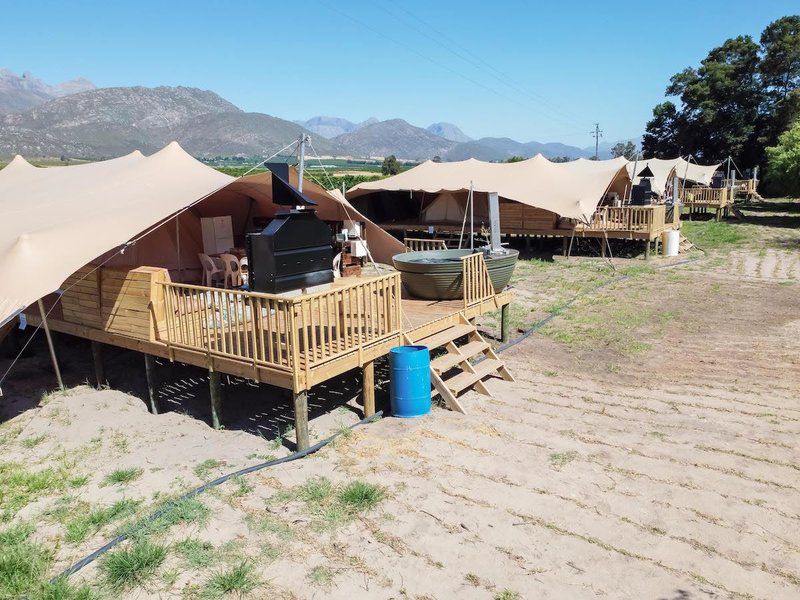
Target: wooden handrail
[285,333]
[705,195]
[629,218]
[419,245]
[477,282]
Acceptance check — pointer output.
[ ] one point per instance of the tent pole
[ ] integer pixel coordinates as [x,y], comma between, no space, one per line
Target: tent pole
[471,218]
[178,243]
[50,344]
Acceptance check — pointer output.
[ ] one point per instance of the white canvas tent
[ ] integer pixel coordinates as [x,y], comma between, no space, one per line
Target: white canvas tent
[56,220]
[571,190]
[665,169]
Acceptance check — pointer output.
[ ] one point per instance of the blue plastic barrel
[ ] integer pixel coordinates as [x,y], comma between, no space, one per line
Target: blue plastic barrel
[410,381]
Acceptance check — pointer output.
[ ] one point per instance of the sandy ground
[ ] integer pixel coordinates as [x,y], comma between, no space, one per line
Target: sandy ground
[654,456]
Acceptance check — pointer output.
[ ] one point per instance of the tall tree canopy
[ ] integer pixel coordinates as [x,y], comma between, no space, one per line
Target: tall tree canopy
[736,103]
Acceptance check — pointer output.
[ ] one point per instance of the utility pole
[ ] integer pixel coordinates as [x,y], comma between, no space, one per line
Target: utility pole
[597,134]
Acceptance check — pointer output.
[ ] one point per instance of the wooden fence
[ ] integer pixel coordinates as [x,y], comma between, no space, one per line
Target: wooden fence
[419,245]
[288,334]
[629,218]
[706,195]
[476,279]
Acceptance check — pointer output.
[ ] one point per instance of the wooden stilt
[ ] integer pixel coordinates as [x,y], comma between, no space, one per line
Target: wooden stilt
[215,391]
[301,419]
[602,247]
[150,373]
[647,250]
[99,367]
[564,245]
[504,323]
[368,388]
[527,243]
[50,344]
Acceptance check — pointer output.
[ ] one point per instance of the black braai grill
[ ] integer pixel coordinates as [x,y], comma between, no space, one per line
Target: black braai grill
[295,250]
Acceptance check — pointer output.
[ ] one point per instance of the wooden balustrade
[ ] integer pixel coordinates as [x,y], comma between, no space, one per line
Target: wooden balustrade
[629,218]
[230,323]
[337,321]
[278,332]
[419,245]
[476,280]
[705,195]
[742,185]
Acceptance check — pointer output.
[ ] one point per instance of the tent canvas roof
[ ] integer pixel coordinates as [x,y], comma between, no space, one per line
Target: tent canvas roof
[55,220]
[571,189]
[664,169]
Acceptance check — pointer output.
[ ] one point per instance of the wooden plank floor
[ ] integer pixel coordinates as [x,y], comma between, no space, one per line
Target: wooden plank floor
[419,312]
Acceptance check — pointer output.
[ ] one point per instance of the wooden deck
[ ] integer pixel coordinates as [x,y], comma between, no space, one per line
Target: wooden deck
[291,342]
[626,222]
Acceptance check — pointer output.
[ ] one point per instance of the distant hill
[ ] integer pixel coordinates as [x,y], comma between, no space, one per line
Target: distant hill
[19,93]
[394,136]
[114,121]
[330,127]
[497,149]
[449,132]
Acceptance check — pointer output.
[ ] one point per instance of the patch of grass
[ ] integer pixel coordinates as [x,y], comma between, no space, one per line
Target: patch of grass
[89,523]
[472,579]
[559,459]
[22,563]
[197,553]
[78,481]
[61,589]
[128,567]
[713,235]
[203,470]
[188,510]
[123,475]
[359,496]
[21,486]
[271,524]
[317,490]
[239,580]
[321,576]
[243,487]
[507,595]
[32,442]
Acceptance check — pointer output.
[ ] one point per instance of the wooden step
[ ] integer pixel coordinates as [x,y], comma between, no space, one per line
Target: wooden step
[447,361]
[465,379]
[448,335]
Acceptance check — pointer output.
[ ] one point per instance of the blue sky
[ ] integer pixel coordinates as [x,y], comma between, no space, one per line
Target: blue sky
[542,71]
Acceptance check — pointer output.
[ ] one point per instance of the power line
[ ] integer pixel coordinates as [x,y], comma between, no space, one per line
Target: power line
[425,56]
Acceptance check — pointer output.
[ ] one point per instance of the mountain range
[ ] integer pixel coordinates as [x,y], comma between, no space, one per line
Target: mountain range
[78,120]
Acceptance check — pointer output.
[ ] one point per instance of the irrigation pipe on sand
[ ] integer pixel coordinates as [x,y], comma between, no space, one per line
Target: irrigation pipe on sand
[322,443]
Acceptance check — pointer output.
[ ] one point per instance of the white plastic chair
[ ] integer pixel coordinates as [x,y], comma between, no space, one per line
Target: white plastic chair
[337,266]
[233,271]
[211,271]
[244,267]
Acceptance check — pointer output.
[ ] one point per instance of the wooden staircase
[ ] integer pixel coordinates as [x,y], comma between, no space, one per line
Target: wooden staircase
[464,366]
[685,245]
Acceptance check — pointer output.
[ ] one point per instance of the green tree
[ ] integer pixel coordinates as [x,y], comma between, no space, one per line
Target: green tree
[783,162]
[390,165]
[513,159]
[661,138]
[780,66]
[625,149]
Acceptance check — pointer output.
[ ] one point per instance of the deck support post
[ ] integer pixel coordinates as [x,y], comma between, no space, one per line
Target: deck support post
[564,245]
[50,345]
[504,318]
[150,374]
[301,419]
[647,250]
[215,391]
[99,367]
[655,245]
[527,243]
[368,388]
[602,248]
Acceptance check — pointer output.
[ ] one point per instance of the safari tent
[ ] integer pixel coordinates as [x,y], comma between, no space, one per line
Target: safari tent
[107,252]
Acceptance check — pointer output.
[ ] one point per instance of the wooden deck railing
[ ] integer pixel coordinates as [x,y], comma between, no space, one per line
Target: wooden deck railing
[705,195]
[476,279]
[629,218]
[419,245]
[289,334]
[743,185]
[335,322]
[230,323]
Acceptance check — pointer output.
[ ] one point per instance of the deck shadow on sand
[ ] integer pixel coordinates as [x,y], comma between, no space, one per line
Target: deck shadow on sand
[258,409]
